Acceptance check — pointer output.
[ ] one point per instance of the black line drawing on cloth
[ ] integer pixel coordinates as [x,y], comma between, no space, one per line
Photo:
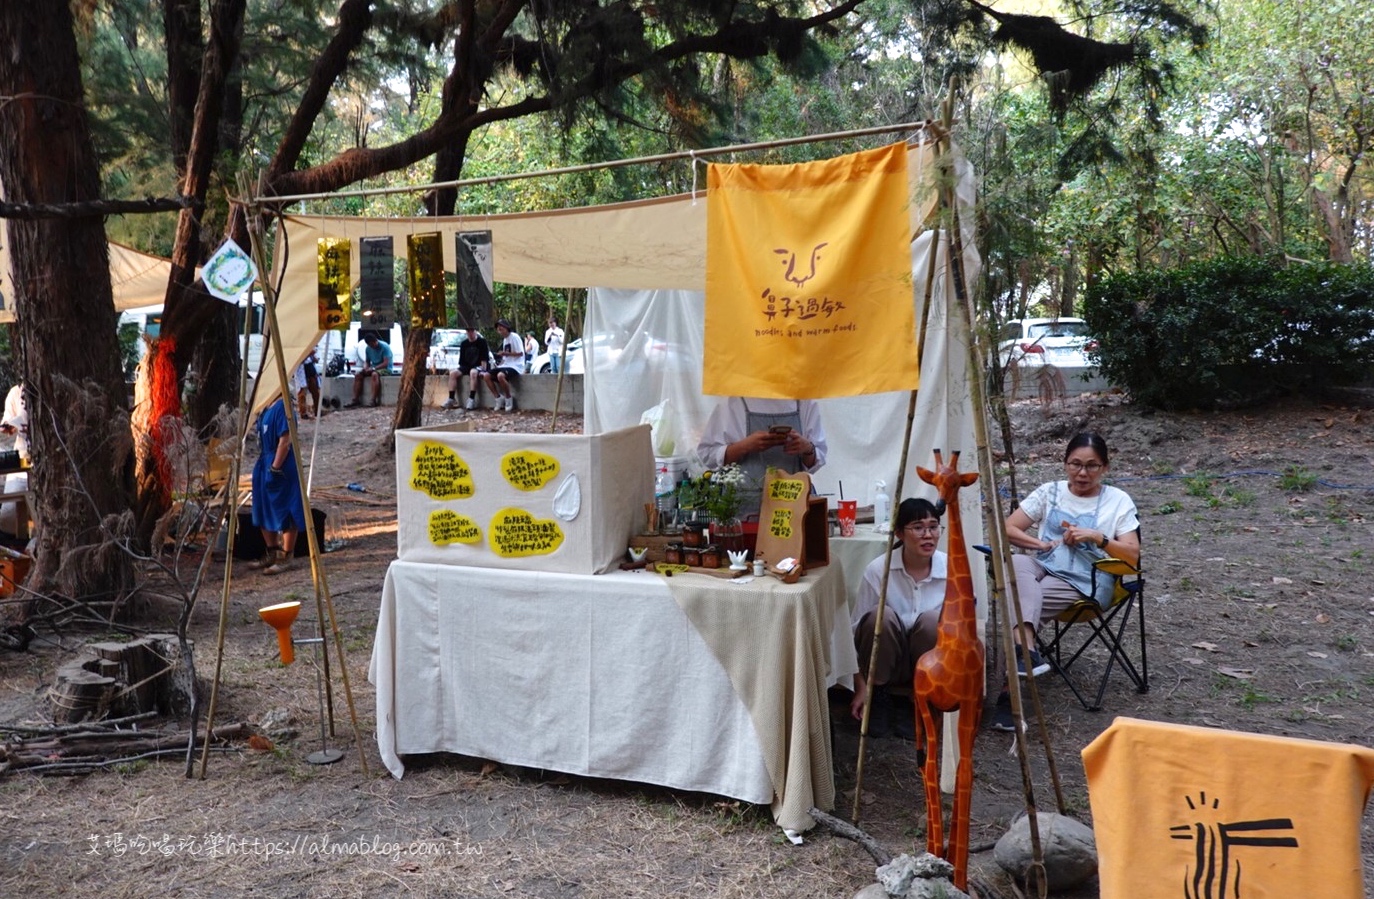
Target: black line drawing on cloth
[1214,870]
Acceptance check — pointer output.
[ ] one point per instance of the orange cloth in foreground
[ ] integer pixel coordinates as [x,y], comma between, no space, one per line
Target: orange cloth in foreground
[1195,813]
[808,278]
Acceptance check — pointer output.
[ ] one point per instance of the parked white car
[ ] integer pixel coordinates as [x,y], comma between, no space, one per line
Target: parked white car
[543,363]
[1061,342]
[345,359]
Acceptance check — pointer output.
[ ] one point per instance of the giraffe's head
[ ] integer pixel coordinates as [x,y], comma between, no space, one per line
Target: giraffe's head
[946,478]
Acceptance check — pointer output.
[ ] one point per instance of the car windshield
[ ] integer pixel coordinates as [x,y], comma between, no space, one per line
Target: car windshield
[1058,329]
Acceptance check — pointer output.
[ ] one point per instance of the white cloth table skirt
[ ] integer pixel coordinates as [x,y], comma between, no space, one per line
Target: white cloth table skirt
[691,682]
[854,554]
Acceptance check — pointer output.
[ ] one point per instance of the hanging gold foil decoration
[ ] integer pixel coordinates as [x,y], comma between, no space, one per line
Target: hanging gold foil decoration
[336,293]
[426,269]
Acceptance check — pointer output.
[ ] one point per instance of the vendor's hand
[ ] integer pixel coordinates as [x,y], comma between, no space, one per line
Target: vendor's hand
[275,474]
[798,445]
[759,441]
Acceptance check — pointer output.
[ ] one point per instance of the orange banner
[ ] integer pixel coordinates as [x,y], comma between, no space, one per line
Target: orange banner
[808,278]
[1184,812]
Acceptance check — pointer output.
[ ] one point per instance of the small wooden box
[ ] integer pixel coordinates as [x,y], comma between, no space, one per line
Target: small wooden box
[816,533]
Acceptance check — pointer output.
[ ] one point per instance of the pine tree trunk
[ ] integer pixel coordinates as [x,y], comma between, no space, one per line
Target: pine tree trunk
[79,423]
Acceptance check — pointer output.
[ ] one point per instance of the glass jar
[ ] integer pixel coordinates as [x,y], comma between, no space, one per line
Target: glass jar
[672,553]
[694,534]
[710,556]
[728,534]
[691,555]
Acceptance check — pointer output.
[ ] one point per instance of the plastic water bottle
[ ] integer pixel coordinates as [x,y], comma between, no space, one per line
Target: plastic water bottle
[882,507]
[665,495]
[357,488]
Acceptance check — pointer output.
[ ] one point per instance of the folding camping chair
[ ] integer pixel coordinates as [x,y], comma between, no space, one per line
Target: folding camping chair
[1085,623]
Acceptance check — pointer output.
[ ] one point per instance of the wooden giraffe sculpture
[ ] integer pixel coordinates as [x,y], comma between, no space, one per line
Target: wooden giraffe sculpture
[950,678]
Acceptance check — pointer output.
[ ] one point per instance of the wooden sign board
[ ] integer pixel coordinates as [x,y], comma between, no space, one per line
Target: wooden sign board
[782,532]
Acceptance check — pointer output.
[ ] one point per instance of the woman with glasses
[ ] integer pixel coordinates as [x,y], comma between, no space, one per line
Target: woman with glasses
[1068,525]
[915,593]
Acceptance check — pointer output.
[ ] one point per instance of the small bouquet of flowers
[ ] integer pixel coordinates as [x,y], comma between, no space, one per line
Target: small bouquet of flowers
[717,493]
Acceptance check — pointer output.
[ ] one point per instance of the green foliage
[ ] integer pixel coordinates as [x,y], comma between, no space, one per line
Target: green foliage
[1233,331]
[1199,485]
[1297,478]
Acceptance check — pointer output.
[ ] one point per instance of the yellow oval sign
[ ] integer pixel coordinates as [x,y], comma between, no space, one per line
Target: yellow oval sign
[528,470]
[446,526]
[440,473]
[515,532]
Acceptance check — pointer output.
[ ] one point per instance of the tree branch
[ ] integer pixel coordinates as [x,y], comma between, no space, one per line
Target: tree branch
[36,211]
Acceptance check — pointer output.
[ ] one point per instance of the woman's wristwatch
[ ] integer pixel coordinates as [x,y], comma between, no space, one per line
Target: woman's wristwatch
[1105,541]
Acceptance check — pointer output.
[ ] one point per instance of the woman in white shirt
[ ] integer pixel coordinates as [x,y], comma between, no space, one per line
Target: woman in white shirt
[915,594]
[1075,521]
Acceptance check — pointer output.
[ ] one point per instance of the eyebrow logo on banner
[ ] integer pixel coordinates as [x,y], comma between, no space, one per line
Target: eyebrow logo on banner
[808,278]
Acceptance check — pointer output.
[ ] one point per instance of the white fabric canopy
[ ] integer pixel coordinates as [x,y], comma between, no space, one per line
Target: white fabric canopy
[138,279]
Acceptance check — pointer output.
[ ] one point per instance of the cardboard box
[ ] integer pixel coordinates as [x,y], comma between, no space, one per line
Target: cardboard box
[538,502]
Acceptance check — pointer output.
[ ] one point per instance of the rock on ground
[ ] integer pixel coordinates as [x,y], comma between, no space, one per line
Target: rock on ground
[1069,848]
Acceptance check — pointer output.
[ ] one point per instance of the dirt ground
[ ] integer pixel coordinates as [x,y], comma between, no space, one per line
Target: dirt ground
[1259,611]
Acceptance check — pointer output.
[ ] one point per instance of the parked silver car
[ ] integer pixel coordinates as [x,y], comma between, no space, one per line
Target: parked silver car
[1061,342]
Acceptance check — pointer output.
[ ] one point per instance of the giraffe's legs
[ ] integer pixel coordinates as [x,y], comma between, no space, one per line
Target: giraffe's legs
[930,731]
[969,715]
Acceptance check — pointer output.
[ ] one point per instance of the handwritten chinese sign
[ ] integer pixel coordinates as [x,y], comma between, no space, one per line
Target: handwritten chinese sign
[527,470]
[786,490]
[515,532]
[440,473]
[447,526]
[780,524]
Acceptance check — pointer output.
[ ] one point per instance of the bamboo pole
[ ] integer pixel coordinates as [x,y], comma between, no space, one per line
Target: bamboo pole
[976,381]
[230,523]
[324,603]
[598,166]
[881,611]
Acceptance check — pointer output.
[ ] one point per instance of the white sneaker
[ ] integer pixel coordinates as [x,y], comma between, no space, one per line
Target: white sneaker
[471,404]
[510,404]
[450,403]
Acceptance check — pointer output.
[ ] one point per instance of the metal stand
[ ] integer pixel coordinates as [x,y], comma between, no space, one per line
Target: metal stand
[325,755]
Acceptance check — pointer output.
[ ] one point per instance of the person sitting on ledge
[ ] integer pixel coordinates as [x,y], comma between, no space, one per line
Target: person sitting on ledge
[510,362]
[473,358]
[376,358]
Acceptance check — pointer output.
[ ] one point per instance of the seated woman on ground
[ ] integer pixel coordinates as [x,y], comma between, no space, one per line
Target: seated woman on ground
[915,594]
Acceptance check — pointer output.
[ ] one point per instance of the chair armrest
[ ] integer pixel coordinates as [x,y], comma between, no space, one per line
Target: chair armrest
[1116,567]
